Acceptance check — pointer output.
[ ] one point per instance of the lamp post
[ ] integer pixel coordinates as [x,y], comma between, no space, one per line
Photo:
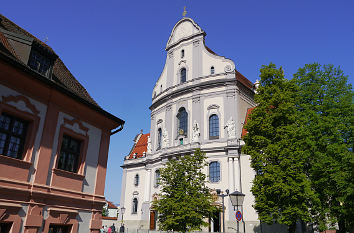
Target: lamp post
[122,211]
[220,194]
[237,200]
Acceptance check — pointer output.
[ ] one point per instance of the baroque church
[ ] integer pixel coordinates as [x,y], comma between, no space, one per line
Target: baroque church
[200,101]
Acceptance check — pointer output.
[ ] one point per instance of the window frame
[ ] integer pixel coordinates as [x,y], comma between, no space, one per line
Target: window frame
[136,180]
[185,75]
[32,120]
[209,171]
[179,122]
[159,139]
[212,70]
[157,178]
[209,128]
[135,208]
[83,151]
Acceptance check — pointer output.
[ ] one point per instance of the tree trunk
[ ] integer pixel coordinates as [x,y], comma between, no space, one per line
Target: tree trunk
[292,228]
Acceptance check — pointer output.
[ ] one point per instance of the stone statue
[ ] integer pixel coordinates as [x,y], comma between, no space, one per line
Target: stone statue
[165,140]
[196,132]
[231,128]
[149,148]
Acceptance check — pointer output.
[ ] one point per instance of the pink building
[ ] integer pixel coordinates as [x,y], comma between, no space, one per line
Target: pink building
[54,141]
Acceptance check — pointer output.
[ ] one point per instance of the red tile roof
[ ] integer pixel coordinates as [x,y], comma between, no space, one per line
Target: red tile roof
[61,74]
[244,131]
[140,147]
[111,205]
[242,79]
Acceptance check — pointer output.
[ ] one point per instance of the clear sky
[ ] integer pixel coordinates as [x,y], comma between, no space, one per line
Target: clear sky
[116,50]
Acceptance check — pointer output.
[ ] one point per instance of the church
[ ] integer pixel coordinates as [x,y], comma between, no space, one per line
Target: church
[200,101]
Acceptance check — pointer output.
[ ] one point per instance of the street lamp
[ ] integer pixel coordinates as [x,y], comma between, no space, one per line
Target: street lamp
[237,200]
[218,191]
[122,211]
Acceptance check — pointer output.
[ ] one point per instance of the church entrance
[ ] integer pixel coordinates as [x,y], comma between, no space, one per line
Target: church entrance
[153,219]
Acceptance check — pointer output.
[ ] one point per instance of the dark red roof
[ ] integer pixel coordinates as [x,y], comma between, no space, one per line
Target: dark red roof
[62,75]
[244,131]
[140,147]
[111,205]
[242,79]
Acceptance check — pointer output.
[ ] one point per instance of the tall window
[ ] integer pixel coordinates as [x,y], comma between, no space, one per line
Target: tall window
[213,127]
[69,154]
[12,136]
[183,75]
[182,53]
[159,138]
[214,171]
[182,121]
[135,206]
[212,70]
[136,180]
[157,178]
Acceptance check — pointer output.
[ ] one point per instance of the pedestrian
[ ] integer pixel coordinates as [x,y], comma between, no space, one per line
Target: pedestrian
[105,229]
[109,230]
[102,230]
[113,228]
[121,229]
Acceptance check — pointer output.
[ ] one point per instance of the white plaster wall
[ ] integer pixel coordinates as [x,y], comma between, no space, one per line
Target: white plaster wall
[112,213]
[42,108]
[186,62]
[129,193]
[218,62]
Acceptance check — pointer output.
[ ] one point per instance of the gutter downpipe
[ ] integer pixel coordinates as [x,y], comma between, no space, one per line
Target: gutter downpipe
[118,130]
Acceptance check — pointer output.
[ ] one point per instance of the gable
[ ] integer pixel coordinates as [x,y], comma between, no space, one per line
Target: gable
[186,28]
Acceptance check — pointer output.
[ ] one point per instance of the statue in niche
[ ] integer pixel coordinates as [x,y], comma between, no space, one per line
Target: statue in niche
[231,128]
[196,132]
[149,148]
[165,140]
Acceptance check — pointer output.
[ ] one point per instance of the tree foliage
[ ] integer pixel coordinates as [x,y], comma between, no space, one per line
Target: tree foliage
[326,106]
[185,200]
[281,188]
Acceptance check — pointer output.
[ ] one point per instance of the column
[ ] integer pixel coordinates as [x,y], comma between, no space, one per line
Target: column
[230,162]
[237,174]
[147,186]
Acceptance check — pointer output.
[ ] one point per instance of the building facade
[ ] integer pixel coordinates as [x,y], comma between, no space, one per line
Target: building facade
[199,101]
[54,141]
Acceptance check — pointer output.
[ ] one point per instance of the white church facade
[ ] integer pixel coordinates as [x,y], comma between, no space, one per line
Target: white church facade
[199,101]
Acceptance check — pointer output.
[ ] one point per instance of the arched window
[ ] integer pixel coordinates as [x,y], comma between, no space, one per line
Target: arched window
[182,53]
[212,70]
[157,178]
[136,180]
[214,171]
[183,75]
[182,121]
[159,139]
[213,127]
[135,206]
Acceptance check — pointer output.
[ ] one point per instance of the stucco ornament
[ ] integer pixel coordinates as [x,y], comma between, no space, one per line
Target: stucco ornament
[165,140]
[149,148]
[196,132]
[231,128]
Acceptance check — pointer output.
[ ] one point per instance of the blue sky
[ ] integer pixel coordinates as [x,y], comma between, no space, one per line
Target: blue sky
[116,48]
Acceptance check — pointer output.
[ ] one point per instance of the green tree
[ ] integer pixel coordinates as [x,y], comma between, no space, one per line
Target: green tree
[281,188]
[326,105]
[185,200]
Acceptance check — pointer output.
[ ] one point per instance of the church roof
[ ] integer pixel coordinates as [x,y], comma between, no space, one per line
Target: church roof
[140,146]
[244,131]
[242,79]
[110,205]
